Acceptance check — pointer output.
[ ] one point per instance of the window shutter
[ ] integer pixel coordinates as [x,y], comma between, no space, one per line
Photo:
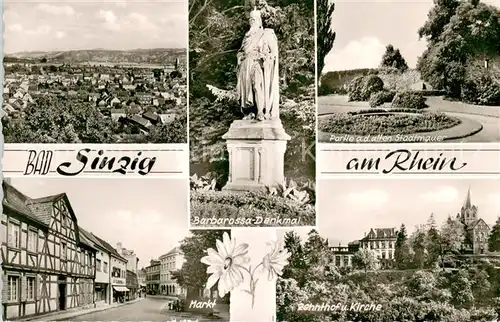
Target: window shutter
[5,287]
[38,286]
[24,288]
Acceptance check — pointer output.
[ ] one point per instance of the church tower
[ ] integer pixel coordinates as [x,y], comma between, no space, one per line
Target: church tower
[468,213]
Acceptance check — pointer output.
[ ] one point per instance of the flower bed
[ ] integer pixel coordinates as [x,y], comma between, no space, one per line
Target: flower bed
[248,205]
[386,123]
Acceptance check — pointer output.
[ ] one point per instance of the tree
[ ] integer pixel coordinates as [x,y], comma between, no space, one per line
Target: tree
[402,254]
[47,121]
[297,267]
[172,132]
[193,274]
[316,249]
[458,32]
[452,236]
[393,58]
[326,36]
[419,248]
[494,238]
[365,259]
[432,242]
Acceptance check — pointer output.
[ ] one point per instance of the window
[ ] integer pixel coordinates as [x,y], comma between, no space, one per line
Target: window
[105,267]
[13,288]
[98,265]
[14,235]
[32,240]
[63,251]
[31,288]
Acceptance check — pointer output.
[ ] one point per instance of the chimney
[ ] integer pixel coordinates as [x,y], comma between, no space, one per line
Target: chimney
[119,248]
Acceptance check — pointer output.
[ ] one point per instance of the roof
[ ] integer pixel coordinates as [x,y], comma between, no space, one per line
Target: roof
[381,233]
[151,116]
[175,250]
[476,222]
[42,207]
[109,248]
[86,238]
[18,202]
[139,120]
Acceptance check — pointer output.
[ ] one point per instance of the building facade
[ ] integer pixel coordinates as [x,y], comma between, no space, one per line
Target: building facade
[477,230]
[342,255]
[169,263]
[132,285]
[383,242]
[119,277]
[102,286]
[47,265]
[153,277]
[130,256]
[141,280]
[117,271]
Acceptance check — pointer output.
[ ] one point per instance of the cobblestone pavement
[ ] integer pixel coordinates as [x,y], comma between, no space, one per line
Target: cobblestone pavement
[149,309]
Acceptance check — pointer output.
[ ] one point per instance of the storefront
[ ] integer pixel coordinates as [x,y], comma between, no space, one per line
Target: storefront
[101,292]
[119,290]
[119,293]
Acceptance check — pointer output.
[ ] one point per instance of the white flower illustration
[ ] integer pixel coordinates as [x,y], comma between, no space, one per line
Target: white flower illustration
[226,264]
[276,260]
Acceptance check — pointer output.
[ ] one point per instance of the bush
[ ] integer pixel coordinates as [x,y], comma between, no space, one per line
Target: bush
[481,89]
[226,206]
[324,90]
[362,87]
[355,89]
[409,99]
[371,85]
[380,98]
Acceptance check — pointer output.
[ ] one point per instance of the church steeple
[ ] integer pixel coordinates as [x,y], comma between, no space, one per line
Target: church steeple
[468,213]
[468,203]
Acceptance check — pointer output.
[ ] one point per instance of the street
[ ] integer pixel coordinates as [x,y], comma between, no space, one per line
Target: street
[148,309]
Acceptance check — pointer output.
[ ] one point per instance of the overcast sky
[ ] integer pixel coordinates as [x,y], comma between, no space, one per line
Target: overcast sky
[149,216]
[349,208]
[364,28]
[88,24]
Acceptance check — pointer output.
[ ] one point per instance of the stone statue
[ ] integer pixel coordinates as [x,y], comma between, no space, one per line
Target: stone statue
[258,78]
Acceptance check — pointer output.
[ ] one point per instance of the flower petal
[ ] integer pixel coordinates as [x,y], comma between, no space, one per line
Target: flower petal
[213,258]
[228,244]
[241,249]
[222,287]
[214,269]
[221,249]
[212,279]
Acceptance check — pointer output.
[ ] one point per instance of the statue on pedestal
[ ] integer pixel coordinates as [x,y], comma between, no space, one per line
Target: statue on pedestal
[258,78]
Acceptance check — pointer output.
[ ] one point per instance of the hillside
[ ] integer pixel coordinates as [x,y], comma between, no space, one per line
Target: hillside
[150,56]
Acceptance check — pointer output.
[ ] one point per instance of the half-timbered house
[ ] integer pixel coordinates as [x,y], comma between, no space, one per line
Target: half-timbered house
[47,265]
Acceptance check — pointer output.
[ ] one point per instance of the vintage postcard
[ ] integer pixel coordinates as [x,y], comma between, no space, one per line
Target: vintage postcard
[388,250]
[95,72]
[429,71]
[252,113]
[125,256]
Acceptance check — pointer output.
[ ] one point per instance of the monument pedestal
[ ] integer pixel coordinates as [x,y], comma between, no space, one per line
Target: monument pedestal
[256,154]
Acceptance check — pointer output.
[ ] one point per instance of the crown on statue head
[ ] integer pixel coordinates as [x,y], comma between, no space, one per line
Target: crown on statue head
[255,14]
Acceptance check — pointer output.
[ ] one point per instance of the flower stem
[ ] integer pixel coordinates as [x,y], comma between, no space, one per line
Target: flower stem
[253,281]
